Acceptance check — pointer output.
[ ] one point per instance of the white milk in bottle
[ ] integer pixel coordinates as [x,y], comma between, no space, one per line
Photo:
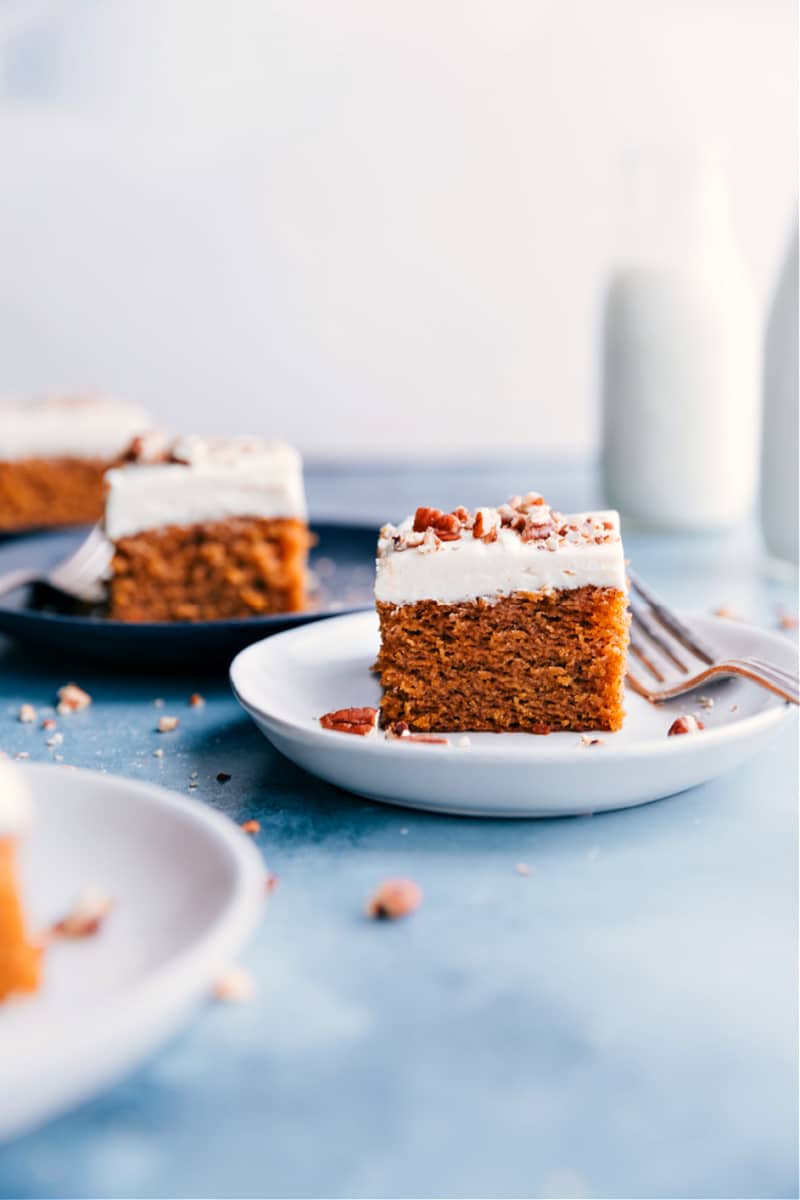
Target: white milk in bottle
[779,466]
[681,357]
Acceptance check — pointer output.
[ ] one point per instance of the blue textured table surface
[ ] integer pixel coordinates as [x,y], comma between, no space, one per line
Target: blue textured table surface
[623,1022]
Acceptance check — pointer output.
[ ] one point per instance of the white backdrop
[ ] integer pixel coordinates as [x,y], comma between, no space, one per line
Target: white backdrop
[376,227]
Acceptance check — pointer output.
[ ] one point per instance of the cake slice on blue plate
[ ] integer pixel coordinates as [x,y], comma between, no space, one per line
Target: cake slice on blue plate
[207,529]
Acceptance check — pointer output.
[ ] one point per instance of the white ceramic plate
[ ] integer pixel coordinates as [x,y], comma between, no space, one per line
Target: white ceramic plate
[188,888]
[287,682]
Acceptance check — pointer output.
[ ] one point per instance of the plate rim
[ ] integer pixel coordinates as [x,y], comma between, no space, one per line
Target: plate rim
[539,750]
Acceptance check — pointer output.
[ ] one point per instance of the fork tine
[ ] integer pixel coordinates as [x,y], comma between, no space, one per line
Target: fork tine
[637,684]
[669,621]
[638,649]
[93,559]
[80,574]
[643,622]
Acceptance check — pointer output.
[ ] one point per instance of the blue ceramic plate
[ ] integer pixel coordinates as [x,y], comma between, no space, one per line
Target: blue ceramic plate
[342,562]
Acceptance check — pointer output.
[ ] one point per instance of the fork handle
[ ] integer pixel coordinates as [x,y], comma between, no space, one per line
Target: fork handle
[17,579]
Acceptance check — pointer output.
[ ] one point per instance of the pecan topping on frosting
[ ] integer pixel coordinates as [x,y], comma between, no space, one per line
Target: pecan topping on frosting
[529,516]
[486,524]
[446,526]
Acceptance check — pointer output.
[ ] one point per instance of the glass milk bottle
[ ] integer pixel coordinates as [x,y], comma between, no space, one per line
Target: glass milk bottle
[681,356]
[779,465]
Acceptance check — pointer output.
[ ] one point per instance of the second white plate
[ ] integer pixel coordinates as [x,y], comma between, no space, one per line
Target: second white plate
[188,889]
[287,682]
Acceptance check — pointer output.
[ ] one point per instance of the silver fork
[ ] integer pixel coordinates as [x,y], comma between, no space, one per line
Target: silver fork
[662,644]
[81,575]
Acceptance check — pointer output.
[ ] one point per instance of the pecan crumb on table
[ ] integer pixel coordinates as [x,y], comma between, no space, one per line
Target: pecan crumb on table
[72,698]
[235,985]
[394,898]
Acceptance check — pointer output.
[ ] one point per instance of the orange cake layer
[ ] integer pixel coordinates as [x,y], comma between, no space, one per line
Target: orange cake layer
[237,567]
[20,961]
[39,492]
[540,662]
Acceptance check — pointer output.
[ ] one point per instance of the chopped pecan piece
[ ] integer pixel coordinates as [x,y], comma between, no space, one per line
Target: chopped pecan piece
[86,918]
[446,526]
[360,721]
[234,986]
[534,530]
[430,542]
[426,517]
[394,898]
[401,733]
[72,698]
[149,447]
[685,724]
[485,525]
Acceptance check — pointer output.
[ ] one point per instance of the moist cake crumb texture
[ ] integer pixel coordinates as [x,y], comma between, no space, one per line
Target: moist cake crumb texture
[512,618]
[213,570]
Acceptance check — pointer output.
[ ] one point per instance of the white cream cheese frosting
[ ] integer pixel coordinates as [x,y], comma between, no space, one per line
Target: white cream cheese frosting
[581,550]
[205,479]
[96,427]
[15,803]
